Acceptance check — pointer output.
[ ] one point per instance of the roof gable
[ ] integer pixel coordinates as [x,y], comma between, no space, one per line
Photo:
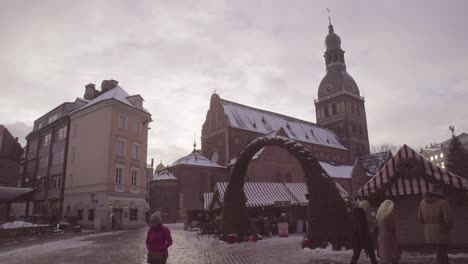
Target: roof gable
[386,180]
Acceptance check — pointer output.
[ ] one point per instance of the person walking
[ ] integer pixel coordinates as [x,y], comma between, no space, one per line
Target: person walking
[361,237]
[387,244]
[435,214]
[158,240]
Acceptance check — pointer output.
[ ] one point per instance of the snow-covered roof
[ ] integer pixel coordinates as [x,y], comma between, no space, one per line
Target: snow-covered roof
[196,159]
[10,193]
[261,121]
[116,93]
[337,171]
[372,163]
[164,175]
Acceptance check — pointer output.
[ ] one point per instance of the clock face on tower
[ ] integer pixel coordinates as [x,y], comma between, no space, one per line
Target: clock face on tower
[329,88]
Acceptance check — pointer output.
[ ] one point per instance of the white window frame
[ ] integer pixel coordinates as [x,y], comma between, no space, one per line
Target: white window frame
[121,176]
[61,133]
[46,140]
[134,175]
[137,127]
[120,152]
[122,123]
[136,149]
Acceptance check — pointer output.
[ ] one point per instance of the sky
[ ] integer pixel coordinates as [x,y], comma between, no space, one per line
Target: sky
[409,59]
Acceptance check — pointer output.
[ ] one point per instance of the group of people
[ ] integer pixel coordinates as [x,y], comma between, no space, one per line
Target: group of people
[433,213]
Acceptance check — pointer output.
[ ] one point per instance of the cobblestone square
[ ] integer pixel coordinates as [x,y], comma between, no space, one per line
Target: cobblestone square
[129,247]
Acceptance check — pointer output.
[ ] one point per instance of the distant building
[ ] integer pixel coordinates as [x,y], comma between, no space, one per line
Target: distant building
[437,153]
[339,140]
[87,159]
[10,158]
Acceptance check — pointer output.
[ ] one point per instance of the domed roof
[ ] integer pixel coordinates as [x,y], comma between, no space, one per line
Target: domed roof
[332,41]
[336,81]
[164,175]
[195,158]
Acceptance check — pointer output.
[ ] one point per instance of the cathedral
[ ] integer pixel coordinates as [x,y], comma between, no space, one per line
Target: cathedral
[339,141]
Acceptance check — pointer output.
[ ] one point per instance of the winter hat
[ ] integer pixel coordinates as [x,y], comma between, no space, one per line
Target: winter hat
[364,205]
[435,188]
[156,218]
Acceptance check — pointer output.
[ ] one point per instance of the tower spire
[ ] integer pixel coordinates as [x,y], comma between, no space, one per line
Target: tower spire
[330,26]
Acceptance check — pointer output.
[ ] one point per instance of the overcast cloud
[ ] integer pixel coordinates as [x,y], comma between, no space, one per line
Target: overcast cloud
[408,58]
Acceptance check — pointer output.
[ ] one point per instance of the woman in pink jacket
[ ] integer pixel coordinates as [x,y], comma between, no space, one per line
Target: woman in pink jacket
[158,240]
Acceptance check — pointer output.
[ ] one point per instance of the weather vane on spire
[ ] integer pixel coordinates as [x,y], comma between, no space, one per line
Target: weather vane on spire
[329,18]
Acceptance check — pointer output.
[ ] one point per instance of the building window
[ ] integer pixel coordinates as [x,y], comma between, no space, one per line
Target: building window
[119,175]
[90,214]
[61,134]
[41,185]
[120,148]
[441,155]
[56,181]
[58,157]
[137,127]
[432,158]
[46,140]
[136,151]
[436,157]
[236,140]
[443,165]
[122,121]
[43,162]
[37,208]
[79,214]
[53,117]
[334,109]
[134,177]
[133,214]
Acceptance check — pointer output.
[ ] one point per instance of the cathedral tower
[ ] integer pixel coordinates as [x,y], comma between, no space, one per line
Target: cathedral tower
[339,106]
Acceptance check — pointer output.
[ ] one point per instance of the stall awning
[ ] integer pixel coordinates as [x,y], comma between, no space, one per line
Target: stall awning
[12,194]
[386,180]
[271,193]
[207,198]
[260,193]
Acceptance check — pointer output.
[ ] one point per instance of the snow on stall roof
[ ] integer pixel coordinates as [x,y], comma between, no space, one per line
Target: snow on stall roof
[261,121]
[116,93]
[337,171]
[164,175]
[196,159]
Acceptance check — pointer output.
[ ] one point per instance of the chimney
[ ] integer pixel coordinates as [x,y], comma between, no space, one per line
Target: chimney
[90,91]
[152,161]
[108,85]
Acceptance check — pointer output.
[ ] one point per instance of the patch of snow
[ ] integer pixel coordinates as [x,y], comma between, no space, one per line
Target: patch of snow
[18,224]
[60,245]
[343,171]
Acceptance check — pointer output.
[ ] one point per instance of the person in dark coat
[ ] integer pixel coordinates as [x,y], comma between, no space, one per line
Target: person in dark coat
[435,214]
[361,237]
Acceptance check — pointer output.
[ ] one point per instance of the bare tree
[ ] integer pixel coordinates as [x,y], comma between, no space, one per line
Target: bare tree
[384,147]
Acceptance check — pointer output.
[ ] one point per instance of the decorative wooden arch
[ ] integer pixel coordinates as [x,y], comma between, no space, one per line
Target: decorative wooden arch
[327,213]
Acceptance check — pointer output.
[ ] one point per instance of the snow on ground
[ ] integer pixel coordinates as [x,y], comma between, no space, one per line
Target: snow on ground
[60,245]
[17,224]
